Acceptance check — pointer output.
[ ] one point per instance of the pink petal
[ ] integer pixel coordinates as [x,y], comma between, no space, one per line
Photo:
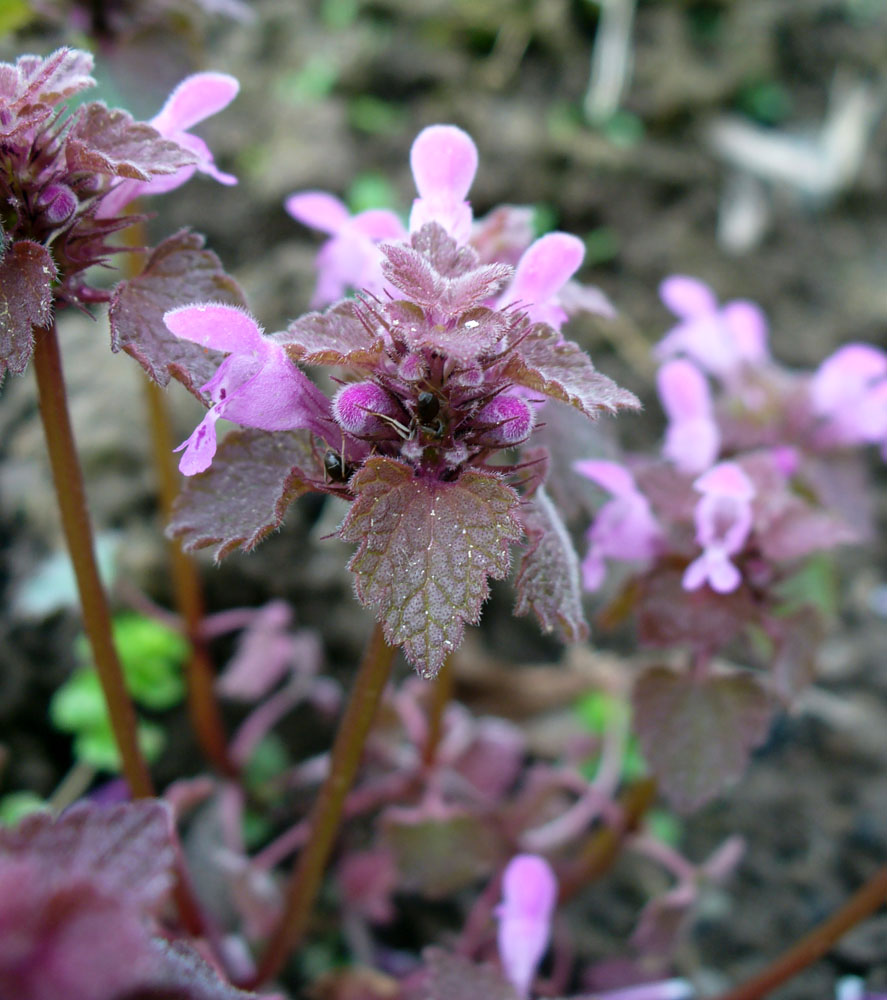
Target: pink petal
[378,225]
[712,567]
[594,569]
[318,210]
[529,895]
[687,297]
[841,376]
[200,447]
[727,480]
[747,323]
[684,391]
[544,269]
[692,444]
[195,98]
[443,159]
[221,327]
[611,476]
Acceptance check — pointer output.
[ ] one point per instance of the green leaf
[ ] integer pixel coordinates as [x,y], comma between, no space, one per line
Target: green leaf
[813,586]
[152,656]
[425,550]
[96,746]
[16,805]
[14,14]
[268,761]
[79,704]
[697,733]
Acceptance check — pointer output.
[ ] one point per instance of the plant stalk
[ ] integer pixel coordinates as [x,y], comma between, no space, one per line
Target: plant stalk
[441,695]
[354,727]
[68,478]
[863,903]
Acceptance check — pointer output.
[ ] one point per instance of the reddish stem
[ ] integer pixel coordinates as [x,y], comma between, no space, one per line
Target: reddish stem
[441,695]
[354,727]
[863,903]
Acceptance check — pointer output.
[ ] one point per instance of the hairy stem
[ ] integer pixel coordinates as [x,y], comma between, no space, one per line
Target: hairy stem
[354,727]
[68,479]
[864,902]
[203,709]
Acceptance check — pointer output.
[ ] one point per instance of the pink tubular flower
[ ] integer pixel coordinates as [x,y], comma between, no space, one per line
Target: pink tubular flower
[723,519]
[624,528]
[197,97]
[350,259]
[849,394]
[692,439]
[529,895]
[443,159]
[541,273]
[255,386]
[720,339]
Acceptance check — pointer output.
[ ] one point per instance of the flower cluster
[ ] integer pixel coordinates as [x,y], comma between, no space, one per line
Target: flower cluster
[66,180]
[445,359]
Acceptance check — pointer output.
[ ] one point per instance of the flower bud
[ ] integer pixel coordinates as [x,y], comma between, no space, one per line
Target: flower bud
[366,410]
[503,422]
[58,203]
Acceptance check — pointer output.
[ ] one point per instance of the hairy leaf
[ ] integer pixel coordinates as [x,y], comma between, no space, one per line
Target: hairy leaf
[50,80]
[179,272]
[110,141]
[180,972]
[26,276]
[245,493]
[697,733]
[425,550]
[339,336]
[548,580]
[126,850]
[451,977]
[561,369]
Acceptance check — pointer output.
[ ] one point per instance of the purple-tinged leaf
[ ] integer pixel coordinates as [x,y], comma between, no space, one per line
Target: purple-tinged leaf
[26,276]
[664,923]
[451,977]
[697,733]
[124,850]
[338,336]
[548,579]
[797,640]
[668,615]
[110,141]
[561,369]
[50,80]
[425,550]
[438,851]
[181,973]
[245,493]
[178,272]
[449,258]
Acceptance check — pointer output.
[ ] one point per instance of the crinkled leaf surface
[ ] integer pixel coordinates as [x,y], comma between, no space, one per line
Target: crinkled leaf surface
[697,733]
[451,977]
[110,141]
[548,580]
[245,493]
[439,854]
[339,336]
[125,849]
[26,276]
[52,79]
[179,272]
[561,369]
[425,551]
[181,973]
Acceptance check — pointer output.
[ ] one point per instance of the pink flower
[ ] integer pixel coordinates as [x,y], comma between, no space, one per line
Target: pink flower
[849,394]
[542,272]
[624,527]
[255,386]
[720,339]
[692,438]
[529,895]
[723,519]
[443,159]
[351,259]
[197,97]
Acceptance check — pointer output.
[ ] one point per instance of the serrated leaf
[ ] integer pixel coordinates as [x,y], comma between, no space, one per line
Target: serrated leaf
[697,734]
[110,141]
[179,272]
[245,493]
[425,551]
[548,579]
[26,276]
[337,336]
[180,972]
[562,370]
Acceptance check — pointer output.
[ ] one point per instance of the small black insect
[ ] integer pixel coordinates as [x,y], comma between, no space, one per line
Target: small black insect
[427,407]
[336,469]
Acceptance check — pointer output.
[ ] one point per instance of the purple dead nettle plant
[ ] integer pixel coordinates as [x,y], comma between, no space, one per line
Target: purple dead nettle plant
[726,527]
[445,363]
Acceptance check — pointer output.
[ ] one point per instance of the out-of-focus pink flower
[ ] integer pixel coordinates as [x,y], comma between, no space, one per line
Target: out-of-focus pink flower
[849,394]
[723,519]
[255,386]
[720,339]
[350,259]
[529,895]
[692,439]
[542,272]
[624,528]
[443,159]
[197,97]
